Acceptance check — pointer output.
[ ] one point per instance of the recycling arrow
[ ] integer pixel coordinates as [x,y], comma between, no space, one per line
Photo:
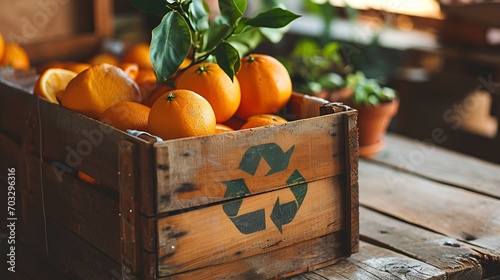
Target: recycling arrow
[275,157]
[282,213]
[245,223]
[285,213]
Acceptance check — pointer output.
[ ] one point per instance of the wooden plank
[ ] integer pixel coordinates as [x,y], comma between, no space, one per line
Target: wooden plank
[149,265]
[196,171]
[77,258]
[33,230]
[350,145]
[10,154]
[103,18]
[373,262]
[74,48]
[288,261]
[468,216]
[72,141]
[130,239]
[443,252]
[83,209]
[429,160]
[66,31]
[211,235]
[146,176]
[30,266]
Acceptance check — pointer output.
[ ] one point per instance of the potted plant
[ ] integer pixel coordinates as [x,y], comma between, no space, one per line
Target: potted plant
[315,70]
[376,106]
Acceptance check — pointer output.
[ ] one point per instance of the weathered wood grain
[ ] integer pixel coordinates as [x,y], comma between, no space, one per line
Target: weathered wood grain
[297,258]
[77,258]
[85,36]
[10,153]
[373,262]
[71,142]
[458,213]
[90,214]
[207,237]
[441,251]
[446,166]
[130,237]
[29,266]
[192,171]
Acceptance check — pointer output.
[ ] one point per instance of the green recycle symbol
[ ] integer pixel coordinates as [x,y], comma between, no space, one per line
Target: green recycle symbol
[282,213]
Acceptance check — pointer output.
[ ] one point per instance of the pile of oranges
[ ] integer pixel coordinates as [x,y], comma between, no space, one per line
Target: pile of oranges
[13,55]
[202,99]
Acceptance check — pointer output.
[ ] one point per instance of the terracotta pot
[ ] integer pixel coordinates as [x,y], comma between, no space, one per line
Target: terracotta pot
[373,122]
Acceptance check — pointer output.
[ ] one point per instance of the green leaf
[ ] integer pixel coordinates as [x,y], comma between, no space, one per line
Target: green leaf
[246,41]
[373,100]
[232,10]
[228,59]
[274,18]
[170,44]
[274,35]
[151,6]
[198,16]
[219,30]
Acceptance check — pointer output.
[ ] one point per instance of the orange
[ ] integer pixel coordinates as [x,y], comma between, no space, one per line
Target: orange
[15,56]
[210,81]
[126,115]
[155,93]
[147,82]
[77,67]
[221,128]
[2,46]
[86,178]
[146,76]
[139,54]
[104,58]
[265,84]
[181,113]
[132,69]
[96,89]
[263,120]
[52,81]
[185,63]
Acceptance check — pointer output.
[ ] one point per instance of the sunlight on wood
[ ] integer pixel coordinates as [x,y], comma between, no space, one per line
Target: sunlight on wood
[423,8]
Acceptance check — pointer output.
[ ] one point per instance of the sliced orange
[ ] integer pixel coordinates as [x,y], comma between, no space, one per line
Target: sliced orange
[53,81]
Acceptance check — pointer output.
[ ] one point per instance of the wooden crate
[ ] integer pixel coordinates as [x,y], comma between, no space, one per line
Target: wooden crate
[251,204]
[57,29]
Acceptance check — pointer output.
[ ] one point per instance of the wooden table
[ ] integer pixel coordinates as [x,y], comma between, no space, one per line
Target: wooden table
[426,213]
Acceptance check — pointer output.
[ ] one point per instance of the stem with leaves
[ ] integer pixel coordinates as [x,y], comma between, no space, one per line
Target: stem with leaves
[185,31]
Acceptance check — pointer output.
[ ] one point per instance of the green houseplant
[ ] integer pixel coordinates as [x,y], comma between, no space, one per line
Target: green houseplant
[376,106]
[315,70]
[320,71]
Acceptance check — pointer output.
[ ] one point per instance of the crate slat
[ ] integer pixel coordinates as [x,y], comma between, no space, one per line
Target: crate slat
[210,236]
[196,171]
[297,258]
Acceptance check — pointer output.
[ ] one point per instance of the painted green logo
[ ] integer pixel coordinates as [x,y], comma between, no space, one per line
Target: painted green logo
[282,213]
